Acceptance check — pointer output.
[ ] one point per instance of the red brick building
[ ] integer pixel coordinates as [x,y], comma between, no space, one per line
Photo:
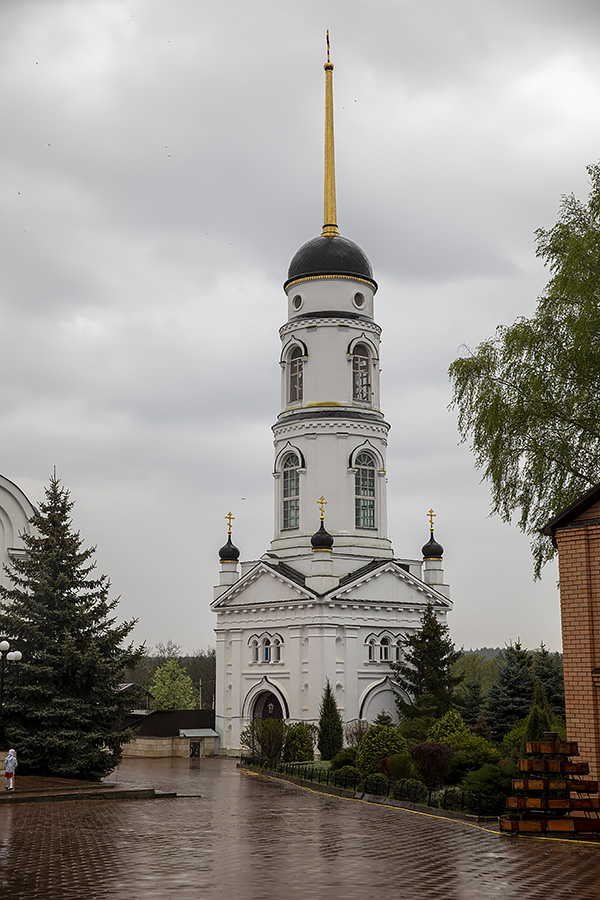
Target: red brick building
[576,534]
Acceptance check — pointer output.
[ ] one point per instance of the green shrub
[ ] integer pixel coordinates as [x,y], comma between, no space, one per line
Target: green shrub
[491,779]
[265,738]
[299,743]
[383,718]
[376,784]
[347,776]
[346,757]
[399,766]
[511,742]
[378,742]
[471,751]
[410,789]
[450,723]
[415,730]
[433,762]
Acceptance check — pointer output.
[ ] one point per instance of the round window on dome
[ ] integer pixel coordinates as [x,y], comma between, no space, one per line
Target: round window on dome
[297,302]
[359,300]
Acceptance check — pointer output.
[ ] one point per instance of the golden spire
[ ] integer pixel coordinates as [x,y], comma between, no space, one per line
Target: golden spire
[329,215]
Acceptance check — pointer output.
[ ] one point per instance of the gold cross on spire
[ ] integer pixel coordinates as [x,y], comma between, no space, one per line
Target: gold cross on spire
[230,519]
[322,502]
[431,515]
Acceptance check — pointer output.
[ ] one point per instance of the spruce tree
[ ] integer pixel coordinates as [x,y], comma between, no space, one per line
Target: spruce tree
[331,728]
[61,703]
[425,676]
[471,701]
[548,669]
[539,719]
[509,697]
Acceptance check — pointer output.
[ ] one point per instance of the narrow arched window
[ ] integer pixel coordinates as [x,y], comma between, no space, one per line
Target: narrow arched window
[291,491]
[384,649]
[371,646]
[364,491]
[296,371]
[398,649]
[254,651]
[276,648]
[266,650]
[361,374]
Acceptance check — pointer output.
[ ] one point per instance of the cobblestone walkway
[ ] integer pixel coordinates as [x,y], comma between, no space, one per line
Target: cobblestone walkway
[253,839]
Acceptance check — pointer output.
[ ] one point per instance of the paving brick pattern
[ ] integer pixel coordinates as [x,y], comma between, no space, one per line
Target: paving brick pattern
[253,839]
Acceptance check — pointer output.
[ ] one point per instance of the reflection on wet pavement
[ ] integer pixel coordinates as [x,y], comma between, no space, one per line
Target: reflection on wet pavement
[253,839]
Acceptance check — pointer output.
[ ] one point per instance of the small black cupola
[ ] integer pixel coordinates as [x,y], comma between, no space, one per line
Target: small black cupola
[321,539]
[229,552]
[432,550]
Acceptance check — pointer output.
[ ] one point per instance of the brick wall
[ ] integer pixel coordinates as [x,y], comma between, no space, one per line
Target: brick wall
[579,574]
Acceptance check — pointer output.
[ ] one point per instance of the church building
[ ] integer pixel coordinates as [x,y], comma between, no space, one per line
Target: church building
[15,513]
[329,600]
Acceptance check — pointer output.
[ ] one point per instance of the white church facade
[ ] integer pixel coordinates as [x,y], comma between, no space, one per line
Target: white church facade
[329,599]
[15,513]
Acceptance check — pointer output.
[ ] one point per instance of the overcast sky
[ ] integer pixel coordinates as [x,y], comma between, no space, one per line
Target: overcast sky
[162,162]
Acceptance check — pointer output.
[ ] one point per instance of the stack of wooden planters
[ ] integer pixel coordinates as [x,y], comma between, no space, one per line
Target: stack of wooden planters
[550,791]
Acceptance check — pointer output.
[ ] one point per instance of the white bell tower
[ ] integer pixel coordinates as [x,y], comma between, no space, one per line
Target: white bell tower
[328,601]
[330,436]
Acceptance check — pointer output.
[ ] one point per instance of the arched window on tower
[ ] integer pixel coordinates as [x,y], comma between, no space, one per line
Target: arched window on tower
[291,492]
[266,650]
[364,491]
[384,649]
[296,372]
[361,374]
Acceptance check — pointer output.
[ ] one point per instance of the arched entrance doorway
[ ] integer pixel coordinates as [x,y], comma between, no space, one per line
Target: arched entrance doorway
[267,706]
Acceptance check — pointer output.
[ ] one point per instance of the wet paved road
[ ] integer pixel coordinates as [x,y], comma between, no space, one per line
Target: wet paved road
[247,839]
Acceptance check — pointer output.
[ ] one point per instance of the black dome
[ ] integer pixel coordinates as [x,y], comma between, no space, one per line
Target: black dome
[229,552]
[432,550]
[321,539]
[330,256]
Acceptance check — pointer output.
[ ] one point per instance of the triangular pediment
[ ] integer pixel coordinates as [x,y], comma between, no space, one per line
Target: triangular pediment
[263,584]
[390,584]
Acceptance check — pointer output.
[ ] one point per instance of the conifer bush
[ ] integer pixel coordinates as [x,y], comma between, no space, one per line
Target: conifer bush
[377,784]
[299,743]
[331,728]
[345,757]
[380,741]
[399,766]
[451,723]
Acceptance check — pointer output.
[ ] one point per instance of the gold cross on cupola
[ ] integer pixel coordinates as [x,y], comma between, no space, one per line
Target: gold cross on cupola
[431,515]
[230,519]
[322,502]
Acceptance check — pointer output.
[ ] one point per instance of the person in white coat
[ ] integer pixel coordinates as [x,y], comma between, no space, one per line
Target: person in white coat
[10,766]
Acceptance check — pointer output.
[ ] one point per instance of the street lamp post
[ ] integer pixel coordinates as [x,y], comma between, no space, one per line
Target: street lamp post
[6,655]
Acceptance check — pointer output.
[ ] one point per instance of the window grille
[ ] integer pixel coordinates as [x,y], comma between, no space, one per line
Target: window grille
[291,492]
[361,375]
[364,481]
[296,373]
